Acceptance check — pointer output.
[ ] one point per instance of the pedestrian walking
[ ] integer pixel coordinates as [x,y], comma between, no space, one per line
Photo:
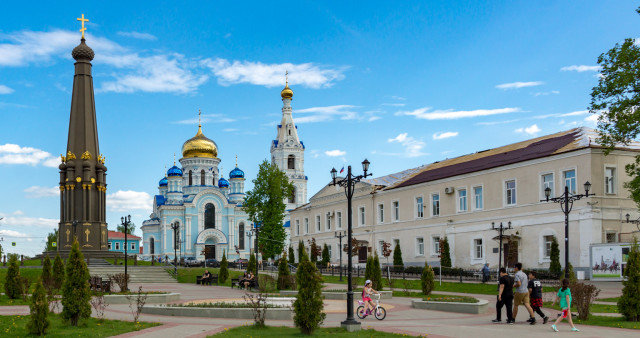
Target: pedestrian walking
[486,273]
[535,294]
[505,297]
[564,296]
[522,293]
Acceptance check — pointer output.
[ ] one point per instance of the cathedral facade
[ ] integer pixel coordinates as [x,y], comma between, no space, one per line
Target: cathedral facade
[198,213]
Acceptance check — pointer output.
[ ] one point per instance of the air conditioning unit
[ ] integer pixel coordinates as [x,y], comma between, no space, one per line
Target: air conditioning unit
[448,190]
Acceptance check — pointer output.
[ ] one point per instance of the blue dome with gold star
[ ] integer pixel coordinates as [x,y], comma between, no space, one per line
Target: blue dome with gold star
[174,171]
[223,183]
[236,173]
[163,182]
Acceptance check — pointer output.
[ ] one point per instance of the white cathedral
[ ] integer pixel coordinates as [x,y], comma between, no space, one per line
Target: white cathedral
[206,209]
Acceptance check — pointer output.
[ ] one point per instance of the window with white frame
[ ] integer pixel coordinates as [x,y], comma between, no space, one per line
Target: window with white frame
[339,219]
[547,182]
[396,211]
[435,245]
[317,223]
[117,245]
[435,204]
[609,180]
[570,180]
[109,245]
[477,198]
[510,189]
[380,213]
[329,249]
[419,207]
[328,221]
[306,225]
[381,247]
[548,241]
[361,215]
[478,250]
[297,227]
[462,200]
[420,246]
[133,246]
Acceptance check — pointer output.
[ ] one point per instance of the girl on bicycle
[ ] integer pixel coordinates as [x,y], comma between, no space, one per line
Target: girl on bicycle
[366,297]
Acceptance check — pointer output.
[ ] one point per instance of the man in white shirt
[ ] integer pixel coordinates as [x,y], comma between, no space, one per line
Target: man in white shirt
[521,282]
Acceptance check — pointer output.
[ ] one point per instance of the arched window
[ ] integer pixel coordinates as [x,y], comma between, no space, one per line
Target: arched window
[292,196]
[152,246]
[289,131]
[190,178]
[202,177]
[241,236]
[209,216]
[291,163]
[213,180]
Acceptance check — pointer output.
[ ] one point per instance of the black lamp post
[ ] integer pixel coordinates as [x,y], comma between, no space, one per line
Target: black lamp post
[254,230]
[125,221]
[340,235]
[175,226]
[636,222]
[500,230]
[75,226]
[349,184]
[566,204]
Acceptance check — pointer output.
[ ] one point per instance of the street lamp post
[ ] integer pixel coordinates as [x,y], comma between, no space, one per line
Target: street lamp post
[175,226]
[500,230]
[636,222]
[126,221]
[255,230]
[566,204]
[349,183]
[75,226]
[340,235]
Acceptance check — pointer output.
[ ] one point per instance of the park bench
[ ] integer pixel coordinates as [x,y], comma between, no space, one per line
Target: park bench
[208,281]
[97,284]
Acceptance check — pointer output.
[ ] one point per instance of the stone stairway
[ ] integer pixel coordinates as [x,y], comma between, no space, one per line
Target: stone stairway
[98,262]
[137,274]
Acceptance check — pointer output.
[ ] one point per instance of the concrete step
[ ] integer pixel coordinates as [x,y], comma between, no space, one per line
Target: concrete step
[137,274]
[99,262]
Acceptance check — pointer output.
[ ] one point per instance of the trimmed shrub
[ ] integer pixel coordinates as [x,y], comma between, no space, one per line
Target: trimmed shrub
[397,257]
[12,282]
[325,255]
[251,266]
[629,303]
[300,250]
[38,309]
[308,306]
[554,255]
[572,275]
[427,279]
[445,259]
[47,277]
[58,272]
[292,256]
[283,273]
[75,290]
[377,273]
[223,275]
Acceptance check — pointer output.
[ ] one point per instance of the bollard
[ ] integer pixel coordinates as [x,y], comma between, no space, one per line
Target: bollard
[153,259]
[460,275]
[135,260]
[4,260]
[21,260]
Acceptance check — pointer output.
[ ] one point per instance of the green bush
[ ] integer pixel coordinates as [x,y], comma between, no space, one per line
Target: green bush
[397,256]
[39,310]
[284,275]
[300,250]
[47,278]
[224,268]
[58,272]
[368,269]
[572,275]
[251,265]
[308,306]
[75,290]
[292,256]
[445,259]
[629,303]
[427,279]
[12,282]
[554,266]
[325,256]
[377,273]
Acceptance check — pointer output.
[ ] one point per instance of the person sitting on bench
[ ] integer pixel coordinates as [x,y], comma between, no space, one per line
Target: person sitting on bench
[248,281]
[206,277]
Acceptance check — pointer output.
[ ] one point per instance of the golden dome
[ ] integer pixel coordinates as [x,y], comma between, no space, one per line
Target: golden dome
[199,146]
[286,93]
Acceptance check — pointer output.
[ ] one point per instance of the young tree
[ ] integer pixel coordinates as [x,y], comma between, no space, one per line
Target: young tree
[47,277]
[325,255]
[130,229]
[300,250]
[427,279]
[629,303]
[377,273]
[572,275]
[445,260]
[397,257]
[292,256]
[13,282]
[251,266]
[224,268]
[75,290]
[39,310]
[265,206]
[283,273]
[58,272]
[368,269]
[51,238]
[555,267]
[308,306]
[316,251]
[386,250]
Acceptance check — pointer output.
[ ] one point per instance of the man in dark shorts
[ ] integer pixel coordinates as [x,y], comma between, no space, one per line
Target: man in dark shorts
[535,294]
[505,297]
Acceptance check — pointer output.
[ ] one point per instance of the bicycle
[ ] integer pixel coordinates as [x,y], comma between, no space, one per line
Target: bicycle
[379,312]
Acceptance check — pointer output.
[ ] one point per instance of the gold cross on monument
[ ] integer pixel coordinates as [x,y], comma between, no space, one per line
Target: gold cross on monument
[83,20]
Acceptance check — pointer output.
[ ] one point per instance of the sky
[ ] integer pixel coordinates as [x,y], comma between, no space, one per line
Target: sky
[401,83]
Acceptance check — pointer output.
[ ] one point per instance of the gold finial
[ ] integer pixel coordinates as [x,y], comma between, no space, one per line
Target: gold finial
[286,77]
[83,20]
[199,120]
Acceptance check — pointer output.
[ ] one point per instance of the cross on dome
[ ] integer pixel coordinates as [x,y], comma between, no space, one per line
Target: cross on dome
[82,20]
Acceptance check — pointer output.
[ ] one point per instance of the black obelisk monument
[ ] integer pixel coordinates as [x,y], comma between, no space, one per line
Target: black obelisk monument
[82,171]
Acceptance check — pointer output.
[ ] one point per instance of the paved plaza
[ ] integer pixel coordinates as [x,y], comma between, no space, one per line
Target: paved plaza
[401,318]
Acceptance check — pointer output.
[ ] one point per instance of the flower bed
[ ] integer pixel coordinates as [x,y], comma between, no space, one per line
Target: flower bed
[451,305]
[451,299]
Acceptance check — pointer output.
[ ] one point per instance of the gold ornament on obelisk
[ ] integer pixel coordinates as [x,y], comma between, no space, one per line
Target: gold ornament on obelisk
[62,158]
[68,233]
[83,20]
[70,156]
[87,232]
[86,155]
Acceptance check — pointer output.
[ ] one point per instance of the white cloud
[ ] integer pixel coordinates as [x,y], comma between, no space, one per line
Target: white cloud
[531,130]
[126,200]
[574,113]
[394,104]
[5,90]
[15,154]
[229,130]
[554,92]
[443,135]
[270,75]
[20,221]
[426,114]
[328,113]
[12,233]
[36,191]
[496,122]
[516,85]
[580,68]
[335,153]
[412,147]
[398,98]
[138,35]
[592,120]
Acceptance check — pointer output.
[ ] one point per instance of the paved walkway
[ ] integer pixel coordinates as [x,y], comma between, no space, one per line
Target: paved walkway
[401,318]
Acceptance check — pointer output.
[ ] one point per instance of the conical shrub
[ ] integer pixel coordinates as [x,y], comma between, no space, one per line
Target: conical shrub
[308,306]
[58,272]
[12,282]
[224,268]
[76,294]
[39,310]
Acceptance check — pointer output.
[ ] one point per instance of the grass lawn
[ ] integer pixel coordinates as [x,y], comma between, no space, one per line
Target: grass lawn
[605,321]
[16,326]
[188,275]
[130,262]
[33,262]
[281,331]
[450,299]
[32,274]
[415,284]
[6,301]
[595,308]
[612,300]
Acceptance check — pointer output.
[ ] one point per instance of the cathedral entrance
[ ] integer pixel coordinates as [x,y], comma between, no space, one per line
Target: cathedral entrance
[209,251]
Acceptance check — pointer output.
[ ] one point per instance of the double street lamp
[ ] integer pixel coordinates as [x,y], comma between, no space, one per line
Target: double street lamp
[349,184]
[340,235]
[566,204]
[125,222]
[175,226]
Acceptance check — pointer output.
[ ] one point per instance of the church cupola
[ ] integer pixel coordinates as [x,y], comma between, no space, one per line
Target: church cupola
[236,184]
[174,171]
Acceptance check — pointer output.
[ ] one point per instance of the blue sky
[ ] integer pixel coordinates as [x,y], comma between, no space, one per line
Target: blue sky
[400,83]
